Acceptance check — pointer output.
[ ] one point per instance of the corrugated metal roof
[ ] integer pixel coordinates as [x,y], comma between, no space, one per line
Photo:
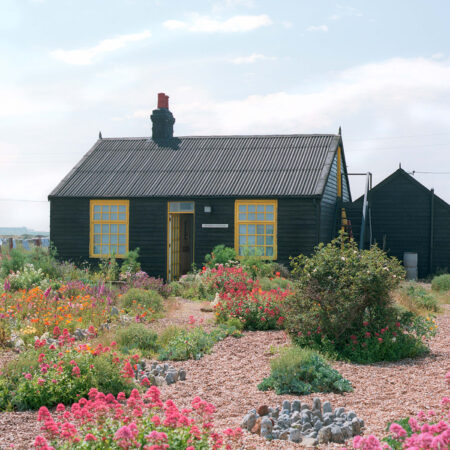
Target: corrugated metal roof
[210,166]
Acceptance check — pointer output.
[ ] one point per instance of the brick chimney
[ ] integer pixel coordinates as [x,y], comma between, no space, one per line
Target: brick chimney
[162,119]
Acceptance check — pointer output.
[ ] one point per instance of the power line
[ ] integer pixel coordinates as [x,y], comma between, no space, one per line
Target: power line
[22,200]
[432,173]
[396,137]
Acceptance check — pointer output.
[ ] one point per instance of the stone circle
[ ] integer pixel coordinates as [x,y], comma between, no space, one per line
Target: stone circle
[298,422]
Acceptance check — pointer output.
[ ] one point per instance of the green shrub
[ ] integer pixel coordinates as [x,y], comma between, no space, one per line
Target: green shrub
[176,289]
[195,342]
[441,283]
[42,258]
[137,336]
[147,299]
[302,371]
[268,284]
[257,267]
[220,255]
[420,297]
[130,264]
[235,322]
[109,268]
[12,261]
[27,278]
[343,306]
[168,334]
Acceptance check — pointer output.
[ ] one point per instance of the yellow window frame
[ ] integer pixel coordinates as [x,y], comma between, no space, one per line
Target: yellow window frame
[99,202]
[255,222]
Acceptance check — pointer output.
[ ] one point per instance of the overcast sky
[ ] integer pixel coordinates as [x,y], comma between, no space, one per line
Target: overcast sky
[380,69]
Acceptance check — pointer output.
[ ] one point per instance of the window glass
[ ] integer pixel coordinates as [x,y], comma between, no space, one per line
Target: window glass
[109,227]
[255,228]
[181,206]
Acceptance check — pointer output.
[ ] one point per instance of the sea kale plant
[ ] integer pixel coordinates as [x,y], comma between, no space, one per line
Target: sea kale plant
[302,371]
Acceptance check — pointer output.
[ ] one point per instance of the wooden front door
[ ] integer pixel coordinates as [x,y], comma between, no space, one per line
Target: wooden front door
[180,242]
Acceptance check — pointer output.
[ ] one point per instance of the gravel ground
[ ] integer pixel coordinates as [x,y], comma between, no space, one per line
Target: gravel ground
[229,376]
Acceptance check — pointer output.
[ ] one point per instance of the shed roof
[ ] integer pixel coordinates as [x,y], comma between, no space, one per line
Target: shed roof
[401,173]
[207,166]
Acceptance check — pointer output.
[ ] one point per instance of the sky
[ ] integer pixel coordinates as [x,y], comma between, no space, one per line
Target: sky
[68,69]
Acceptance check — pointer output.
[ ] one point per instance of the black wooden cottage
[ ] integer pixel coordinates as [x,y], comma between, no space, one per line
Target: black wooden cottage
[177,197]
[405,216]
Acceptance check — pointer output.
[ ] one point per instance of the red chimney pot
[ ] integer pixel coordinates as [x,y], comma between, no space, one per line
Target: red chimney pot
[163,100]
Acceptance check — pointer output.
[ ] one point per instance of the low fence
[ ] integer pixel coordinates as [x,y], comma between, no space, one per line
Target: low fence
[27,244]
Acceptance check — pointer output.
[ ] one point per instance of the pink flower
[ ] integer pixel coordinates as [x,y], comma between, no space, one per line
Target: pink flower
[380,339]
[397,430]
[28,376]
[365,324]
[76,371]
[41,443]
[90,437]
[60,407]
[367,334]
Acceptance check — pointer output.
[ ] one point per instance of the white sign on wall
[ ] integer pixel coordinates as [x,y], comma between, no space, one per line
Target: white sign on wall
[214,225]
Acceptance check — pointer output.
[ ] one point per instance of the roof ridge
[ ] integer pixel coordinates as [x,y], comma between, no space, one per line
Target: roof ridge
[221,136]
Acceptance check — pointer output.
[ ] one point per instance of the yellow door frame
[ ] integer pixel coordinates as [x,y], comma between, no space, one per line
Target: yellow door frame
[173,218]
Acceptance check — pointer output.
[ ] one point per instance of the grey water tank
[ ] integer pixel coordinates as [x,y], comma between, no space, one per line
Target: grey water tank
[410,262]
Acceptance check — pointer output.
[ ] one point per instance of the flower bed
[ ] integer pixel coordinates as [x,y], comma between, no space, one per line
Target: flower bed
[52,374]
[241,297]
[139,421]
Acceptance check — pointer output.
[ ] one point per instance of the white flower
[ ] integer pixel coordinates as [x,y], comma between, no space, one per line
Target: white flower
[343,258]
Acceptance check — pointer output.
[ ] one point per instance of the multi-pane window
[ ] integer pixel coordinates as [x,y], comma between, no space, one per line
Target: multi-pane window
[256,228]
[109,228]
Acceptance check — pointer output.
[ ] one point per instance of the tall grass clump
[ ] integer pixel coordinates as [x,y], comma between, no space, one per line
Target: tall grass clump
[441,283]
[147,299]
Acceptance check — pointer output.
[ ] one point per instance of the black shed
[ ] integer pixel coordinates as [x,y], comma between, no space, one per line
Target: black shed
[405,216]
[177,197]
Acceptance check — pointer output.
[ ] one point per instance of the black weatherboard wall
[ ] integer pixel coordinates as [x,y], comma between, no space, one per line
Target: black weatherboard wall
[297,228]
[401,215]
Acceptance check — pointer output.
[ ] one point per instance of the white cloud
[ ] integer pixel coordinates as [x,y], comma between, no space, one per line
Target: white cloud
[206,24]
[386,92]
[437,56]
[87,55]
[317,28]
[229,4]
[254,57]
[345,11]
